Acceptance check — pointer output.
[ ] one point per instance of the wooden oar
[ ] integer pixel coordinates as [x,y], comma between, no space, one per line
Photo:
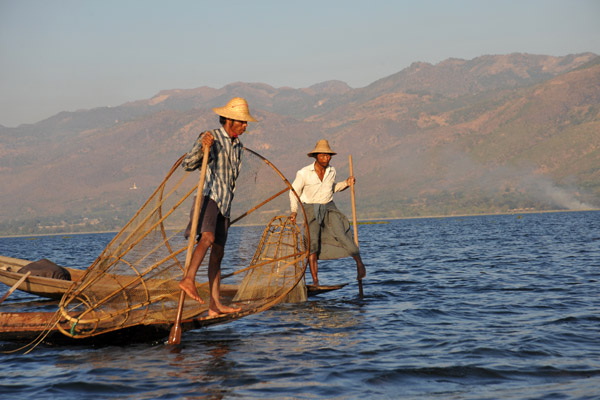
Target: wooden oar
[15,286]
[360,286]
[175,335]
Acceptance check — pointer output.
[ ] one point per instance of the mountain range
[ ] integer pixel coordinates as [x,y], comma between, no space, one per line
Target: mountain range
[495,134]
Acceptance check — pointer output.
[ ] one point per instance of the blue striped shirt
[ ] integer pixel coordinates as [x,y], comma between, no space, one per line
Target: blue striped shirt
[224,163]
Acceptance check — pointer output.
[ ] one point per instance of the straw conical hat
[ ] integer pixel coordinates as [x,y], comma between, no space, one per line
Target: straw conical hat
[322,147]
[237,108]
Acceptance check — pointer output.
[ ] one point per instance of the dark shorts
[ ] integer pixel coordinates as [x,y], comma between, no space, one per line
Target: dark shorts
[211,220]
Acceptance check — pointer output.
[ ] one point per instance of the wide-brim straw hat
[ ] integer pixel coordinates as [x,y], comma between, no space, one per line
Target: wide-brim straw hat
[322,147]
[237,108]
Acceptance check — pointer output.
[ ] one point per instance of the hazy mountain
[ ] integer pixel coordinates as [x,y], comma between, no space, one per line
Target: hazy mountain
[492,134]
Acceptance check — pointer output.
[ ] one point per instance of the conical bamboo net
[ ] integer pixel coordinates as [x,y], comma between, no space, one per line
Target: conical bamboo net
[275,263]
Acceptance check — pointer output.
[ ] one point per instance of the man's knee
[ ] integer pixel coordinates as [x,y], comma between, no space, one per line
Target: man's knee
[207,238]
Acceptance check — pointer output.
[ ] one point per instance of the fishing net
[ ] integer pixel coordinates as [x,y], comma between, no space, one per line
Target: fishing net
[135,279]
[271,266]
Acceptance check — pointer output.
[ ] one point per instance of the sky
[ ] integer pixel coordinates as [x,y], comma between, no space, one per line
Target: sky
[66,55]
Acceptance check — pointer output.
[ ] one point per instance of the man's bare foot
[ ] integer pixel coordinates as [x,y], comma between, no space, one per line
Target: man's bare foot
[361,271]
[189,287]
[315,282]
[215,310]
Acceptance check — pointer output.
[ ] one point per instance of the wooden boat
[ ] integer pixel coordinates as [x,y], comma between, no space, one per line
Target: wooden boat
[38,285]
[56,288]
[33,326]
[30,327]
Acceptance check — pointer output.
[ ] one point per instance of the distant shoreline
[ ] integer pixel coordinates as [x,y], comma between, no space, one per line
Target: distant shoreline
[365,221]
[481,215]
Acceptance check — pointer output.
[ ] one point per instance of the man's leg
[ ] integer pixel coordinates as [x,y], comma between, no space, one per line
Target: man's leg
[188,283]
[214,281]
[313,263]
[361,271]
[315,237]
[206,225]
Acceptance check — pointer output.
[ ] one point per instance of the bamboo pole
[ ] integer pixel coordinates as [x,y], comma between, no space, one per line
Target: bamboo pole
[175,335]
[15,286]
[354,224]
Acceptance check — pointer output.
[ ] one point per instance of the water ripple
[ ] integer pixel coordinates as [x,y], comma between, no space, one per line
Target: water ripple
[491,307]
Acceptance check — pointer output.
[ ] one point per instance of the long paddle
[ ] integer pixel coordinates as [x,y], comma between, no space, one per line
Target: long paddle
[15,286]
[360,285]
[175,335]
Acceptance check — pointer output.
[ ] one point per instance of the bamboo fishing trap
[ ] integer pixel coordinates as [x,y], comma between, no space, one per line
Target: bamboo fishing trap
[135,279]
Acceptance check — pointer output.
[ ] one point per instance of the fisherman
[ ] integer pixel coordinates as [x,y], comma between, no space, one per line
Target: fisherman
[330,234]
[223,168]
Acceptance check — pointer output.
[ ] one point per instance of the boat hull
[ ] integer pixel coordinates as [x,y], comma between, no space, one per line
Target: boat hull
[28,327]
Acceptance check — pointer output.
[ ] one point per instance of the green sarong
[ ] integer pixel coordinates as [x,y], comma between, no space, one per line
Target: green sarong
[330,233]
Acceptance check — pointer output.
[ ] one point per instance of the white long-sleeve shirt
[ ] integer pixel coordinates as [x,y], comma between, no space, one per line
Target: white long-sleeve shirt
[312,190]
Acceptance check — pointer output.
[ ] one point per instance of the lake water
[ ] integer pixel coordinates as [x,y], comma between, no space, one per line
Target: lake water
[486,307]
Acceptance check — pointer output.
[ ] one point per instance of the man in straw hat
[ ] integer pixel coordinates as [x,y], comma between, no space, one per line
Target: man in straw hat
[330,234]
[222,171]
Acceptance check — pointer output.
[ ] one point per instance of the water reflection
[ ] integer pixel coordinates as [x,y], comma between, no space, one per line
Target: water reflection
[198,369]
